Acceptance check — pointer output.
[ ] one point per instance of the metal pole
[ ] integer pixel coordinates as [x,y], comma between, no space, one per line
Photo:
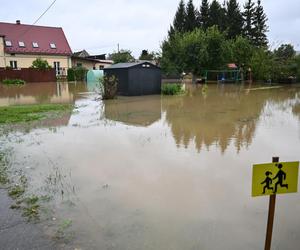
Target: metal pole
[271,214]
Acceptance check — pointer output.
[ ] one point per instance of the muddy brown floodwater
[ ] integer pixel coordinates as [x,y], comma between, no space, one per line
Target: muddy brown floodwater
[158,172]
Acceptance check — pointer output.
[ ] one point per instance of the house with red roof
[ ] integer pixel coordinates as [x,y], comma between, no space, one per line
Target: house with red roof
[21,44]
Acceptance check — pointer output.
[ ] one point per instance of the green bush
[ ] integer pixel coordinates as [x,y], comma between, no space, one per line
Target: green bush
[109,85]
[71,75]
[171,89]
[13,82]
[40,64]
[77,74]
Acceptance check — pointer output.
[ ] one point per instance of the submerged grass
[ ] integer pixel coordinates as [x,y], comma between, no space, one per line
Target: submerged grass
[3,171]
[27,113]
[30,205]
[13,82]
[172,89]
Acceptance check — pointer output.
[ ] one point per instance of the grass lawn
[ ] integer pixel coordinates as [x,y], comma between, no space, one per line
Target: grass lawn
[27,113]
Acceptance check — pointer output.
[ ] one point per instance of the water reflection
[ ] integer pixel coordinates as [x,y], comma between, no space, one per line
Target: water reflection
[36,93]
[138,111]
[219,114]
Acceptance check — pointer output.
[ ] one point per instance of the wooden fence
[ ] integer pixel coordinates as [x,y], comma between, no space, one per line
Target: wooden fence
[28,75]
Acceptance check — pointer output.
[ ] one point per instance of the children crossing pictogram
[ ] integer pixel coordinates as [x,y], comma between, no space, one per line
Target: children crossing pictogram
[275,178]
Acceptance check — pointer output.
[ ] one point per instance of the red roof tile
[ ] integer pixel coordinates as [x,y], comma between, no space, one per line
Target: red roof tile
[31,33]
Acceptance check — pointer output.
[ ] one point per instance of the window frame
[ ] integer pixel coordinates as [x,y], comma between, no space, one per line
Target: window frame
[35,45]
[13,64]
[21,44]
[8,43]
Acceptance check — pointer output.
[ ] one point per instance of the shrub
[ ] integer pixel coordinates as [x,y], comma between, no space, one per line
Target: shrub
[71,75]
[171,89]
[109,86]
[40,64]
[13,82]
[80,73]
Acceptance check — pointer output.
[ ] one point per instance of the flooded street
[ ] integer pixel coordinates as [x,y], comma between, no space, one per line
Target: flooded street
[159,172]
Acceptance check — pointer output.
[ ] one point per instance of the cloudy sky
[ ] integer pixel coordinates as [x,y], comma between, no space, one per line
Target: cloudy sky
[99,25]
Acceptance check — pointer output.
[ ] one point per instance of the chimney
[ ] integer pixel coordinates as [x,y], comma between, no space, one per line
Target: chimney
[18,22]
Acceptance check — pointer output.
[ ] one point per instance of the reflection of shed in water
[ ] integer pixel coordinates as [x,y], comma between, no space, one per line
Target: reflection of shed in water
[138,111]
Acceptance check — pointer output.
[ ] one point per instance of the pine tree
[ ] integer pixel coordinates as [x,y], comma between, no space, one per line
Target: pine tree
[204,14]
[223,25]
[248,16]
[180,17]
[216,15]
[260,26]
[171,32]
[234,19]
[191,17]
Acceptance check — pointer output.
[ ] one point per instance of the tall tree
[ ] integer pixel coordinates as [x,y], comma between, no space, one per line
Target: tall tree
[248,16]
[234,19]
[260,26]
[216,15]
[122,56]
[145,55]
[204,14]
[285,52]
[180,17]
[191,17]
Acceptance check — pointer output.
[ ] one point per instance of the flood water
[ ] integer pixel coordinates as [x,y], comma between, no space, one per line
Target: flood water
[161,172]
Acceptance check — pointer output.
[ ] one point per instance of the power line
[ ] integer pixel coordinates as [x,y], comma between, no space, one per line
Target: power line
[39,18]
[44,12]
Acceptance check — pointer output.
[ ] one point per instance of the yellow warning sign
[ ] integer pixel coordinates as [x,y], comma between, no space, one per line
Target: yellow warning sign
[275,178]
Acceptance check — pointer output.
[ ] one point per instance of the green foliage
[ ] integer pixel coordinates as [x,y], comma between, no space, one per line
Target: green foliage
[13,82]
[109,85]
[248,16]
[40,64]
[191,17]
[242,51]
[297,63]
[16,191]
[285,52]
[261,65]
[217,16]
[234,19]
[204,15]
[260,26]
[171,89]
[71,75]
[145,55]
[121,57]
[80,73]
[194,51]
[215,47]
[27,113]
[3,170]
[185,52]
[180,17]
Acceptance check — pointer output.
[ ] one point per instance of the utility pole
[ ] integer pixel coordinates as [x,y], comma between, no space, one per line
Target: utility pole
[118,48]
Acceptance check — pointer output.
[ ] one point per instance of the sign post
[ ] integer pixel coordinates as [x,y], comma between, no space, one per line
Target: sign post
[272,203]
[271,179]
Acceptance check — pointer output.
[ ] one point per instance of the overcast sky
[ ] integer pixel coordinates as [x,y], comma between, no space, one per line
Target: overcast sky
[99,25]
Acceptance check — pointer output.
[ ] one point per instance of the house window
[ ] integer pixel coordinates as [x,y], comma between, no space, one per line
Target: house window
[13,64]
[35,45]
[101,67]
[52,45]
[8,43]
[21,44]
[57,67]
